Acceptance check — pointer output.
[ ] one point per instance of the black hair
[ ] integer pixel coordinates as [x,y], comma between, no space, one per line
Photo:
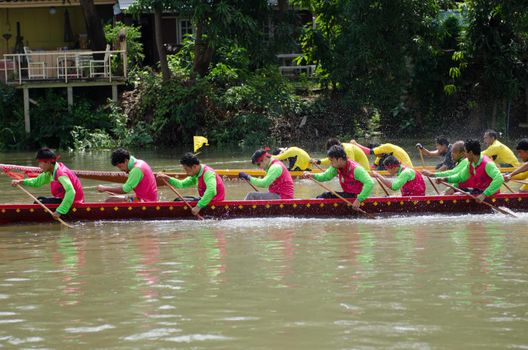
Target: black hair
[442,140]
[473,146]
[276,151]
[336,152]
[45,153]
[258,153]
[373,145]
[492,133]
[522,145]
[189,159]
[391,161]
[120,155]
[332,142]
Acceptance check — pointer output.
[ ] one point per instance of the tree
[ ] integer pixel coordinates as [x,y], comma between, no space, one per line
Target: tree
[94,26]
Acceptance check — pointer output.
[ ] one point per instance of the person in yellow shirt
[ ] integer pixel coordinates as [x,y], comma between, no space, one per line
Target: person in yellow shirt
[299,159]
[499,152]
[384,150]
[353,152]
[521,173]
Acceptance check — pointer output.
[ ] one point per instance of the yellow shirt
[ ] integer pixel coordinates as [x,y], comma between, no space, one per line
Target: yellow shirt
[396,151]
[501,154]
[303,158]
[354,153]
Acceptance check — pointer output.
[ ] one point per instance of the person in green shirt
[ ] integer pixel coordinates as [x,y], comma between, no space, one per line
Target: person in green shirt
[141,179]
[64,184]
[408,181]
[458,155]
[480,176]
[353,178]
[277,179]
[209,183]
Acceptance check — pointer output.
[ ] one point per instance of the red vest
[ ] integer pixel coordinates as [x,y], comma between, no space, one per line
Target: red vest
[147,188]
[478,178]
[347,180]
[56,187]
[283,185]
[220,191]
[415,187]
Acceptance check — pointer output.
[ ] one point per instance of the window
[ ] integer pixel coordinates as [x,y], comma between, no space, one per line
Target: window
[184,28]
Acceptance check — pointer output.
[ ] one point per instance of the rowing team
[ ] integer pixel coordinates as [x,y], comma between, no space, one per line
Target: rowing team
[472,171]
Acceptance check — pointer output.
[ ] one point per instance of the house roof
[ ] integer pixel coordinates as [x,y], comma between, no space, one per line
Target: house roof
[125,4]
[47,3]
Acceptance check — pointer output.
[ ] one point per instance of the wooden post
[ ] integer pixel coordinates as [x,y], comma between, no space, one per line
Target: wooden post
[114,92]
[27,121]
[69,90]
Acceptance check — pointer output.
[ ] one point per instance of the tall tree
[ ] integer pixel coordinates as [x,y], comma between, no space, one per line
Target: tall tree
[94,26]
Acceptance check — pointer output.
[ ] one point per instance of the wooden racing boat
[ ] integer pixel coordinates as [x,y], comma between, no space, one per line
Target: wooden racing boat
[302,208]
[120,177]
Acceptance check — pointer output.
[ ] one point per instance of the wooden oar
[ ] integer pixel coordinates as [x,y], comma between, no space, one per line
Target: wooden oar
[43,206]
[181,197]
[505,212]
[520,181]
[370,216]
[250,184]
[508,187]
[382,187]
[431,181]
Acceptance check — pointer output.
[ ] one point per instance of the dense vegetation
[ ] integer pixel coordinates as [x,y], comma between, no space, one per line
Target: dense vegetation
[402,67]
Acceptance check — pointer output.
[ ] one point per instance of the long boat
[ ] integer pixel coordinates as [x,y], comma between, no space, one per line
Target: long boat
[298,208]
[121,177]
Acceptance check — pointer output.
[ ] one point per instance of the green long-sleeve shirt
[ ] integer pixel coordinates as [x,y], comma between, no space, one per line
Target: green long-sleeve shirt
[360,174]
[45,178]
[191,181]
[461,165]
[272,173]
[492,171]
[403,176]
[135,175]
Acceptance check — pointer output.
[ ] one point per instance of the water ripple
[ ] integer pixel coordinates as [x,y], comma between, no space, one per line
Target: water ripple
[93,329]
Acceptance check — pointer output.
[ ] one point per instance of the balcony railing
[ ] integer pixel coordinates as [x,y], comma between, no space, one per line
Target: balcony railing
[63,66]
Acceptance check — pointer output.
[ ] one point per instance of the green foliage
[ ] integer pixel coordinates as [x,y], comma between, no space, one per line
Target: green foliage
[134,46]
[11,118]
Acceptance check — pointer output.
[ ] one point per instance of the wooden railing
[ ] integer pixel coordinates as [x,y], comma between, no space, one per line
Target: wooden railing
[63,66]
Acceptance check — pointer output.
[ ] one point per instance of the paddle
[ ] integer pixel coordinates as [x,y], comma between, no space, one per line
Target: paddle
[43,206]
[423,166]
[180,196]
[508,187]
[250,184]
[370,216]
[382,187]
[17,176]
[520,181]
[505,212]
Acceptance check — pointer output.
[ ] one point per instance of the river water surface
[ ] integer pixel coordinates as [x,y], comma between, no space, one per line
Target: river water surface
[421,282]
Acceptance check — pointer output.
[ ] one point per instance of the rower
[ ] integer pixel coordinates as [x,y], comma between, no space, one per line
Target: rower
[482,173]
[498,152]
[459,157]
[520,173]
[384,150]
[277,178]
[299,159]
[443,149]
[353,178]
[140,179]
[353,153]
[408,180]
[64,184]
[210,184]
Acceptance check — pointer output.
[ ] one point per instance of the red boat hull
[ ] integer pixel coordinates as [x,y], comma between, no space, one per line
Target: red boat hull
[311,208]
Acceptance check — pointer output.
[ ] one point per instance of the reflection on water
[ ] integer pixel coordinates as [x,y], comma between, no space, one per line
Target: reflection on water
[421,282]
